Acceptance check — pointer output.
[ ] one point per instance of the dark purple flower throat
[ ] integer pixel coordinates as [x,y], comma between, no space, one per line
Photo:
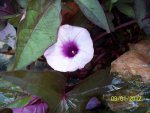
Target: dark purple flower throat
[70,49]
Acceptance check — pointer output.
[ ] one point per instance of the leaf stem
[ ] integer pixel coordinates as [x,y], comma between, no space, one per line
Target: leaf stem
[116,28]
[2,10]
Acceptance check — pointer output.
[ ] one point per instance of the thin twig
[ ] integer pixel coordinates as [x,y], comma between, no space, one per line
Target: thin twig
[116,28]
[7,52]
[5,11]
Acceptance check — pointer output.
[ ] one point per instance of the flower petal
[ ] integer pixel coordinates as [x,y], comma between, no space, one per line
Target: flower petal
[61,63]
[56,59]
[81,59]
[85,42]
[58,63]
[53,50]
[68,32]
[81,37]
[86,50]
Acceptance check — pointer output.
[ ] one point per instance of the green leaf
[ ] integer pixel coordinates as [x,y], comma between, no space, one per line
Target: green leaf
[114,1]
[101,78]
[46,85]
[126,9]
[94,12]
[94,85]
[23,3]
[9,93]
[20,102]
[140,10]
[15,20]
[9,16]
[126,1]
[37,31]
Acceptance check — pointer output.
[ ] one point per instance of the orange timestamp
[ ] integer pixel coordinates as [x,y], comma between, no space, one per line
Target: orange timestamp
[126,98]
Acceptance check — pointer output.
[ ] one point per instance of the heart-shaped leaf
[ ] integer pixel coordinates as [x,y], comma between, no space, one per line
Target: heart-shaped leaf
[88,87]
[126,9]
[142,11]
[94,12]
[37,31]
[47,85]
[9,93]
[94,85]
[35,105]
[20,102]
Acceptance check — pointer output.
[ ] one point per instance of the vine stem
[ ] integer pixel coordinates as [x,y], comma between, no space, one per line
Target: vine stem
[2,10]
[7,52]
[116,28]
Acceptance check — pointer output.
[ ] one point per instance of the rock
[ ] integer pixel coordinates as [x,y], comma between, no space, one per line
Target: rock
[142,47]
[127,99]
[134,62]
[133,67]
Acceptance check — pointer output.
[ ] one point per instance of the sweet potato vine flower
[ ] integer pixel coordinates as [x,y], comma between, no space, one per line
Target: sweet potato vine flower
[72,51]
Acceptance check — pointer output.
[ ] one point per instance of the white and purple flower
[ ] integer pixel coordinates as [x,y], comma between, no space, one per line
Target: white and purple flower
[72,51]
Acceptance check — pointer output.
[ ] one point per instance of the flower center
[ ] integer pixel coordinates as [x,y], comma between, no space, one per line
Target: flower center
[70,49]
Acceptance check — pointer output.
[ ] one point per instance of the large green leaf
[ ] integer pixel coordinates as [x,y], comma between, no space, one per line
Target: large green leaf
[20,102]
[9,93]
[126,9]
[142,11]
[94,85]
[37,31]
[98,79]
[94,12]
[114,1]
[47,85]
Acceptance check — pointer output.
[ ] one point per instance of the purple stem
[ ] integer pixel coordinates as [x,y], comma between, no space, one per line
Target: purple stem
[116,28]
